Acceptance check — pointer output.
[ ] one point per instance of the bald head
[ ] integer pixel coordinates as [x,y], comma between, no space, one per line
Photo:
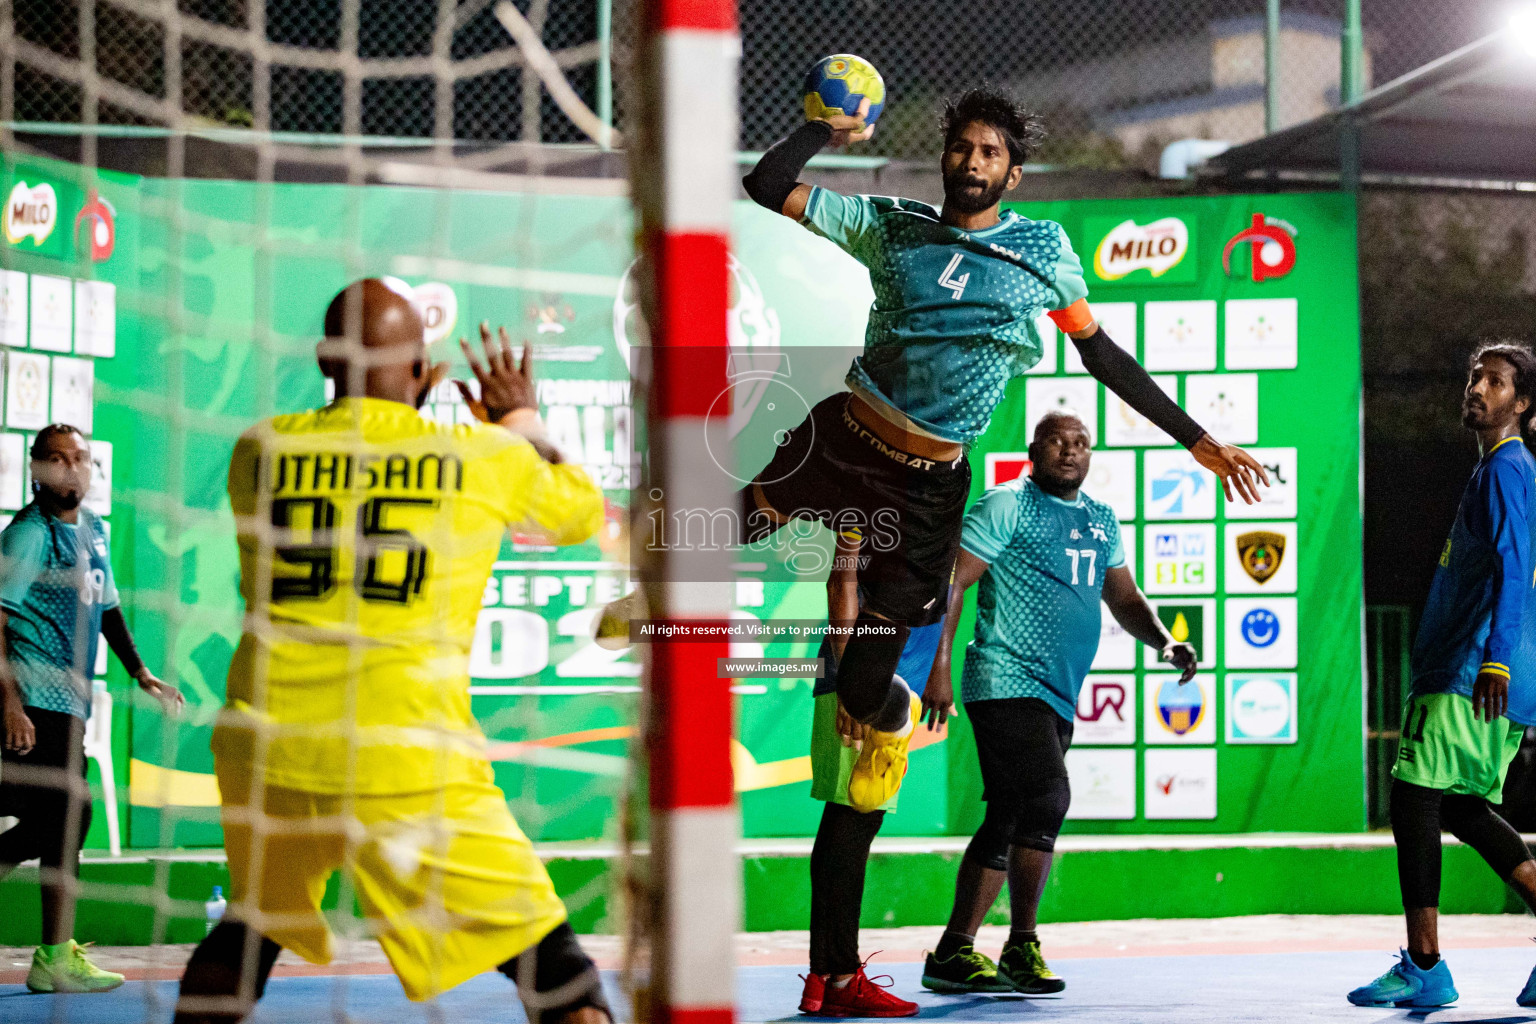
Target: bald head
[1058,419]
[375,342]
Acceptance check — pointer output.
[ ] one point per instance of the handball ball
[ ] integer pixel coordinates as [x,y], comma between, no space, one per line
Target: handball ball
[837,84]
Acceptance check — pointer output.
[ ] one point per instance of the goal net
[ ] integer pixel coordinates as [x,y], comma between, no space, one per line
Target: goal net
[187,185]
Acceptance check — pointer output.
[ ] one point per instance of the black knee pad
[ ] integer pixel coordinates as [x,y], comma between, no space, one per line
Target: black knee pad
[868,665]
[226,974]
[1472,820]
[556,977]
[1040,814]
[1416,833]
[756,522]
[989,846]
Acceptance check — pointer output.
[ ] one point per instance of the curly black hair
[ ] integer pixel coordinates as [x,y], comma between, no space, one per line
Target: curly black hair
[52,430]
[1022,130]
[1518,355]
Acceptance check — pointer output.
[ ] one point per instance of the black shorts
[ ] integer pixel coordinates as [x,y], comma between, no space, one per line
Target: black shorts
[1020,742]
[909,510]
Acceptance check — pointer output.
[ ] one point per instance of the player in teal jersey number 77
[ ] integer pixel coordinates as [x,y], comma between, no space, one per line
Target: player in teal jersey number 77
[1044,554]
[957,291]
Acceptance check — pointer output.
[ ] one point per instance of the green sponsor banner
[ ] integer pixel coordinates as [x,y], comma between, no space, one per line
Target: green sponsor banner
[220,287]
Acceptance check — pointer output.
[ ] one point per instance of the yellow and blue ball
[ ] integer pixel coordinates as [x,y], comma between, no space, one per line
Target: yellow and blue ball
[839,83]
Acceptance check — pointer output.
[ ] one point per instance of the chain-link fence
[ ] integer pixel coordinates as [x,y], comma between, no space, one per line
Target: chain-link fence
[1116,79]
[420,68]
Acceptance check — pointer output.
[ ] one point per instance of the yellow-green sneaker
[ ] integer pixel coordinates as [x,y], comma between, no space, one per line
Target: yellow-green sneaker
[67,969]
[882,764]
[1024,968]
[966,971]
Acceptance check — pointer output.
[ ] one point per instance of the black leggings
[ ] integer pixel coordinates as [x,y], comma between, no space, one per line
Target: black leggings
[46,790]
[228,973]
[838,860]
[1418,813]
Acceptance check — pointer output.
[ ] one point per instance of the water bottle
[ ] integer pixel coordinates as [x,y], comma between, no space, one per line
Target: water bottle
[213,910]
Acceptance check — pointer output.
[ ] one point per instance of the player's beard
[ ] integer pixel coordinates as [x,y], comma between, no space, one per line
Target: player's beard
[1478,417]
[1054,483]
[64,501]
[962,198]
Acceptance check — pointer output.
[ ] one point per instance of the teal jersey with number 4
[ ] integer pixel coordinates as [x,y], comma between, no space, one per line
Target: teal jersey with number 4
[955,311]
[1037,606]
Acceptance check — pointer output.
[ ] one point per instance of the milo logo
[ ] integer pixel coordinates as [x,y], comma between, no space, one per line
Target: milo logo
[30,212]
[1161,249]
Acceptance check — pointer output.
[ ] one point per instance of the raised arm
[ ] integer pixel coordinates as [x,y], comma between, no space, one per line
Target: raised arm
[544,493]
[939,694]
[1130,608]
[774,183]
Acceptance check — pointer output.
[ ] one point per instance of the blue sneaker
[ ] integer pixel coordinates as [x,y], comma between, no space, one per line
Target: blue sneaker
[1408,985]
[1527,996]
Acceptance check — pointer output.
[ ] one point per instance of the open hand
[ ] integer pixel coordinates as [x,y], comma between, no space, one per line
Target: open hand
[505,386]
[169,697]
[846,128]
[1232,465]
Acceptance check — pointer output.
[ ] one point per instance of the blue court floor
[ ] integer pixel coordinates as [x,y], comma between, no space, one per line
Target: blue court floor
[1285,987]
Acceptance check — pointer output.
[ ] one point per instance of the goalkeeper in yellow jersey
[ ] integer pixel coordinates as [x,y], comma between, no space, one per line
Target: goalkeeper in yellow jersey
[367,533]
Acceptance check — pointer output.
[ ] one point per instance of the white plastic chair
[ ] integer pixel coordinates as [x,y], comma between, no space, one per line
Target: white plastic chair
[98,746]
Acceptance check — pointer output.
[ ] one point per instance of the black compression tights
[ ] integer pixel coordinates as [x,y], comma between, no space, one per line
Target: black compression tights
[229,969]
[1419,813]
[838,860]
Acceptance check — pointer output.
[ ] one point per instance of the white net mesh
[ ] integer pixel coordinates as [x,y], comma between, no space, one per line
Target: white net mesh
[189,185]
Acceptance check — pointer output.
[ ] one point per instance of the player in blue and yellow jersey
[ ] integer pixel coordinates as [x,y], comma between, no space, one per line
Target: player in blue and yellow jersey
[1474,681]
[957,291]
[1045,555]
[367,533]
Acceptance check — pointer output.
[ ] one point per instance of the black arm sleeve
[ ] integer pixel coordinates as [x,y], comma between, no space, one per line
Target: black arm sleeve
[1119,371]
[115,629]
[778,172]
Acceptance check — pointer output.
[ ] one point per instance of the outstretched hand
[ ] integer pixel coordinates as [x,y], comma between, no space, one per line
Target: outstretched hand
[846,128]
[1183,657]
[169,697]
[1233,465]
[505,385]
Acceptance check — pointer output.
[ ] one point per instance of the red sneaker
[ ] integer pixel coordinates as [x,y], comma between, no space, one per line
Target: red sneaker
[815,989]
[865,997]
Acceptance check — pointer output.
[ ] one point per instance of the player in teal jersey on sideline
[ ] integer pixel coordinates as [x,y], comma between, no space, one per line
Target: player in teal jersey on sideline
[1474,682]
[957,292]
[57,597]
[1045,554]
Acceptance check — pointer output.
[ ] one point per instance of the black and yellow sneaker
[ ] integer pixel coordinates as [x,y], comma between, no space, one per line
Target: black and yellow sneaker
[966,971]
[1025,969]
[610,631]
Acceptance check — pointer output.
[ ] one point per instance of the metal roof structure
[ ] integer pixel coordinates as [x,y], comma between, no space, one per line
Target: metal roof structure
[1466,120]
